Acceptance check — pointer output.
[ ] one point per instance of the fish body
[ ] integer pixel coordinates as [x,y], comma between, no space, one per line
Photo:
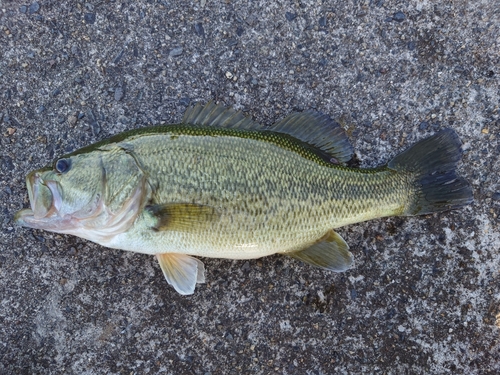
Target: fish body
[220,185]
[287,202]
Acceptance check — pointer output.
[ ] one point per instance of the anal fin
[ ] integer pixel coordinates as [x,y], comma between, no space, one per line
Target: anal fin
[331,252]
[182,271]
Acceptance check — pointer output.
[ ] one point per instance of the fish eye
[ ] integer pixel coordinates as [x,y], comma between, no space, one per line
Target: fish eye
[63,165]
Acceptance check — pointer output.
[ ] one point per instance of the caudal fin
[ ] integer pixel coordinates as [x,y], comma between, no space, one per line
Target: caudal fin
[433,163]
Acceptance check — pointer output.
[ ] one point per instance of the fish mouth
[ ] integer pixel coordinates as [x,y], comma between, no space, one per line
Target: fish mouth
[45,201]
[93,220]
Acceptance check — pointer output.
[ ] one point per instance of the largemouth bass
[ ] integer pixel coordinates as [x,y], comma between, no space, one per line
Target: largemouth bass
[220,185]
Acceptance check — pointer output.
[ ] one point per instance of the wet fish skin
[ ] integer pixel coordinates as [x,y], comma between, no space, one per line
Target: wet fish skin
[220,185]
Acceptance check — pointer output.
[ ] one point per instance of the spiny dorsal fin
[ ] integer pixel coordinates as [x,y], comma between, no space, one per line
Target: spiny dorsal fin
[213,114]
[317,130]
[182,271]
[182,216]
[331,253]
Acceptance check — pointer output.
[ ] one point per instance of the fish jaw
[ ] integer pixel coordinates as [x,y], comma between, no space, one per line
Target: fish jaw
[27,218]
[24,217]
[44,195]
[46,200]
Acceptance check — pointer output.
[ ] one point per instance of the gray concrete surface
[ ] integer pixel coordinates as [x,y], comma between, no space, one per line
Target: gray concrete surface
[424,295]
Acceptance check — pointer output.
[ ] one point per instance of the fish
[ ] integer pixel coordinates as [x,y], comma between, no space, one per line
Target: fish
[220,185]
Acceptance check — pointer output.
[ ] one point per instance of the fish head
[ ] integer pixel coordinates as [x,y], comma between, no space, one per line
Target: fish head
[94,195]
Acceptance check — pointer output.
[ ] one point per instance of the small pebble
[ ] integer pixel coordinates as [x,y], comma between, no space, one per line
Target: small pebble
[56,92]
[35,7]
[118,57]
[229,75]
[412,45]
[496,196]
[198,29]
[322,21]
[184,101]
[424,125]
[123,120]
[290,16]
[399,17]
[23,9]
[96,128]
[176,52]
[7,164]
[72,119]
[367,123]
[252,20]
[119,94]
[40,109]
[89,18]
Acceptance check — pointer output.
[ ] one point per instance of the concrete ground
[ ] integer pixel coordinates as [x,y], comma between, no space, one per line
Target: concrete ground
[424,295]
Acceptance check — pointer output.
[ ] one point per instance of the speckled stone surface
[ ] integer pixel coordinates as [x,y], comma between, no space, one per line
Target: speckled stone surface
[424,296]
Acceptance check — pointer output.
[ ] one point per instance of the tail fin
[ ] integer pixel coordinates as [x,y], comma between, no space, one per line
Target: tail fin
[433,161]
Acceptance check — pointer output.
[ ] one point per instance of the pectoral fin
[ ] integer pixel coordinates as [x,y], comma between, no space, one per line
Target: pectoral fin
[182,216]
[182,271]
[331,253]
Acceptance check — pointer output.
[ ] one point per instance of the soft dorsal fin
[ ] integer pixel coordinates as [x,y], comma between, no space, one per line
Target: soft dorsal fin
[213,114]
[319,131]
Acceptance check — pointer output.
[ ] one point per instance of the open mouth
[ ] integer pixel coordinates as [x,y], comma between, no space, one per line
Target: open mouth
[86,216]
[45,200]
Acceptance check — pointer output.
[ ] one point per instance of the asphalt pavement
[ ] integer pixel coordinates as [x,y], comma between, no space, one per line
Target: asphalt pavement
[424,295]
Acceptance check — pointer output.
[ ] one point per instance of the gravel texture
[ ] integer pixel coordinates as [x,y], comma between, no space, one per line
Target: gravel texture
[424,295]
